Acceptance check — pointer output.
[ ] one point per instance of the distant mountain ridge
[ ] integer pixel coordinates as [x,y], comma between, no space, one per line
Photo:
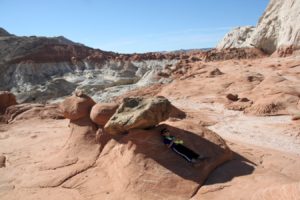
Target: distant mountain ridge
[4,33]
[43,68]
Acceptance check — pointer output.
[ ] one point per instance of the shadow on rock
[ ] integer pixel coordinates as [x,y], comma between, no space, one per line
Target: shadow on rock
[199,139]
[238,166]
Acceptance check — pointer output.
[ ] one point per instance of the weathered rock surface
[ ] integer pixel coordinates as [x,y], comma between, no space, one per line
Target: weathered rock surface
[232,53]
[138,113]
[290,191]
[236,38]
[6,99]
[239,105]
[277,28]
[80,150]
[134,166]
[77,106]
[139,165]
[30,111]
[102,112]
[267,87]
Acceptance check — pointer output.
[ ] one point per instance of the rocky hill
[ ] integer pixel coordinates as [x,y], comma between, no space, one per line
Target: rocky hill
[4,33]
[277,29]
[235,110]
[42,68]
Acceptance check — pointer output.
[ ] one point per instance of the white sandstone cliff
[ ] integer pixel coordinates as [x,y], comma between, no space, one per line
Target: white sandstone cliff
[237,38]
[278,27]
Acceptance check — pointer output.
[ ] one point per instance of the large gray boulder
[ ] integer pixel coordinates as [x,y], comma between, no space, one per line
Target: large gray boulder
[139,113]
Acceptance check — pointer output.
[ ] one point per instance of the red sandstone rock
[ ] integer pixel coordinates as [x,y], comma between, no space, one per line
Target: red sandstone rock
[77,106]
[6,99]
[102,112]
[29,111]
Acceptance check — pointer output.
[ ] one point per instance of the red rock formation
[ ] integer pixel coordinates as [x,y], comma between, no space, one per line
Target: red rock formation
[6,99]
[77,106]
[102,112]
[30,111]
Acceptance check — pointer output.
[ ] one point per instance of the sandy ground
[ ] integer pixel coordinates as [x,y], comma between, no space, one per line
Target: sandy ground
[275,132]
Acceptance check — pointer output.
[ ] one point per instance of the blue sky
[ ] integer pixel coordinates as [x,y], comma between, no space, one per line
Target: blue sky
[129,26]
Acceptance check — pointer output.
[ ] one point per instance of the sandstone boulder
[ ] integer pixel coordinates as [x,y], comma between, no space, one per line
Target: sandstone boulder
[77,106]
[6,99]
[102,112]
[232,97]
[244,99]
[2,161]
[215,72]
[138,113]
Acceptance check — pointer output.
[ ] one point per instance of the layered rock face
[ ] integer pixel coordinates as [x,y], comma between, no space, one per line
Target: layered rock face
[40,68]
[277,28]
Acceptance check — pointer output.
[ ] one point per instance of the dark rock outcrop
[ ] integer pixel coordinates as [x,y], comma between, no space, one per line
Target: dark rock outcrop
[2,161]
